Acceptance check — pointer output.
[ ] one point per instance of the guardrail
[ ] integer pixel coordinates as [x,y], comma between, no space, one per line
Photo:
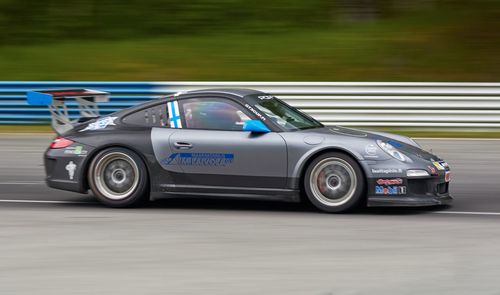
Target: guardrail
[464,105]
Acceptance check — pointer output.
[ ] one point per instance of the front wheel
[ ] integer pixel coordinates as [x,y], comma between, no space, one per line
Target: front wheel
[118,178]
[334,182]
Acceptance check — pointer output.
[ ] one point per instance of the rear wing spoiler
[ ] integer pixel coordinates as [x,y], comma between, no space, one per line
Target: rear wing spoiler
[56,101]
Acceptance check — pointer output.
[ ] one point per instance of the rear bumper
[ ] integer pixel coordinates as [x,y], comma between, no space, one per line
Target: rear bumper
[66,185]
[65,169]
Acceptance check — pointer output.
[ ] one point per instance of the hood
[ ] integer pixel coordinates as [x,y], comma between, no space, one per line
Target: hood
[402,143]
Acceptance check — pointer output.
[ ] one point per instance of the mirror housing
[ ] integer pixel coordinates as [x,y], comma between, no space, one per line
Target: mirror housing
[255,126]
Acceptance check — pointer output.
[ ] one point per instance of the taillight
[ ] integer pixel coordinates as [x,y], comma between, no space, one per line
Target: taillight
[60,142]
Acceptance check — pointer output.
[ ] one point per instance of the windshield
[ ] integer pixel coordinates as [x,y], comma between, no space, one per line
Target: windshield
[284,115]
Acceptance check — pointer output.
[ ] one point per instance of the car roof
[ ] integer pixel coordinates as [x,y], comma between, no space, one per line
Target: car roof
[240,92]
[237,92]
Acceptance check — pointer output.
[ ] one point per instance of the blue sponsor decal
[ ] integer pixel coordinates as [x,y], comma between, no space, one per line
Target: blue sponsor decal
[199,159]
[390,190]
[395,143]
[393,190]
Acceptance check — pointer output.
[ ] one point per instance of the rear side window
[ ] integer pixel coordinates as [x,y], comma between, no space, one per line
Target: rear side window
[156,116]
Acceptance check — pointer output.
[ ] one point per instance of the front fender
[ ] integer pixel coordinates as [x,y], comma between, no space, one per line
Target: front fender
[302,148]
[306,157]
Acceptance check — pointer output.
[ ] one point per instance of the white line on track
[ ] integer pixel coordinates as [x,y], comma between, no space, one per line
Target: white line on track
[21,182]
[466,213]
[44,202]
[25,152]
[82,202]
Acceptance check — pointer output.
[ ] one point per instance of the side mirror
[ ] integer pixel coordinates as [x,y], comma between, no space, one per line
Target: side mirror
[255,126]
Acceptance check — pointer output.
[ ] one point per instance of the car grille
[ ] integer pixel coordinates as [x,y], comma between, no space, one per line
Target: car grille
[424,186]
[417,186]
[442,188]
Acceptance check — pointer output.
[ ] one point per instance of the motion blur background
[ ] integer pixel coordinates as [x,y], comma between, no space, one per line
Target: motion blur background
[259,40]
[57,242]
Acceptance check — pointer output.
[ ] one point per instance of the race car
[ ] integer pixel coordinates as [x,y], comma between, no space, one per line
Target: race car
[239,143]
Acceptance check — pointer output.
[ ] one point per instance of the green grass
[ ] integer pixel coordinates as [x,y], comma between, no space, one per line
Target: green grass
[25,129]
[440,49]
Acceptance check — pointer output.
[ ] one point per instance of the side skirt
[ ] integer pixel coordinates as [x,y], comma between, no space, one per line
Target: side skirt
[231,192]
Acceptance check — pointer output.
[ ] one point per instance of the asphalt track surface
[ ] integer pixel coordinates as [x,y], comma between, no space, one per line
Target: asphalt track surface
[55,242]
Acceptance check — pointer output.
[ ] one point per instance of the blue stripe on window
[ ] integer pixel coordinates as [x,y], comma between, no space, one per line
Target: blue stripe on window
[174,116]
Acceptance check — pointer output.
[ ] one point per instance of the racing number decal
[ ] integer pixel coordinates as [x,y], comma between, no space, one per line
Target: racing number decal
[174,115]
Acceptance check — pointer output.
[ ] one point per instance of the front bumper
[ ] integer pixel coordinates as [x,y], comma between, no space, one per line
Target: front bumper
[419,192]
[409,201]
[392,187]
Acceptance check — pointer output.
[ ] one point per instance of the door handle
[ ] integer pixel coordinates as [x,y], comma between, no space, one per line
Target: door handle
[182,145]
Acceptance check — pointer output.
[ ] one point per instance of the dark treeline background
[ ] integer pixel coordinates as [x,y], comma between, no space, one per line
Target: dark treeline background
[34,20]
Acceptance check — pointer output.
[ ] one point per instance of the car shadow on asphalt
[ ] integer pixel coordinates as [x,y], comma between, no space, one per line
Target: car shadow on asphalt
[231,204]
[193,203]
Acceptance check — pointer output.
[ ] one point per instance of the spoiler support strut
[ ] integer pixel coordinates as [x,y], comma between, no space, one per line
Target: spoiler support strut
[56,101]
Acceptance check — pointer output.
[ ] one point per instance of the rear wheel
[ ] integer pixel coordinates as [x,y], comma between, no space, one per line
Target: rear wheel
[334,182]
[118,178]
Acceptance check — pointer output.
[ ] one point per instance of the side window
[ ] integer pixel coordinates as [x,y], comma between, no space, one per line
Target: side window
[155,116]
[212,113]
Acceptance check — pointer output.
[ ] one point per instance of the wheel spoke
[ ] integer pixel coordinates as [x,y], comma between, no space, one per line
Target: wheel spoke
[333,181]
[116,175]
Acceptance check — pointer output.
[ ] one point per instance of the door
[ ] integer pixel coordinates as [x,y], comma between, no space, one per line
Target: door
[210,148]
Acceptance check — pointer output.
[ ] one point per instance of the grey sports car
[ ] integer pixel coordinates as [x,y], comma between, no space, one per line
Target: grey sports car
[240,143]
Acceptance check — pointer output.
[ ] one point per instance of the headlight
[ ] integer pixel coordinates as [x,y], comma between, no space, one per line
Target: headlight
[417,173]
[391,150]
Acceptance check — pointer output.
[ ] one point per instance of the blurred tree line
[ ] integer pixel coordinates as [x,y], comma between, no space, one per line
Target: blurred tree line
[32,21]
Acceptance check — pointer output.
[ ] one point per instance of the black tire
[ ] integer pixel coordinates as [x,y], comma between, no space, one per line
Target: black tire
[118,178]
[334,183]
